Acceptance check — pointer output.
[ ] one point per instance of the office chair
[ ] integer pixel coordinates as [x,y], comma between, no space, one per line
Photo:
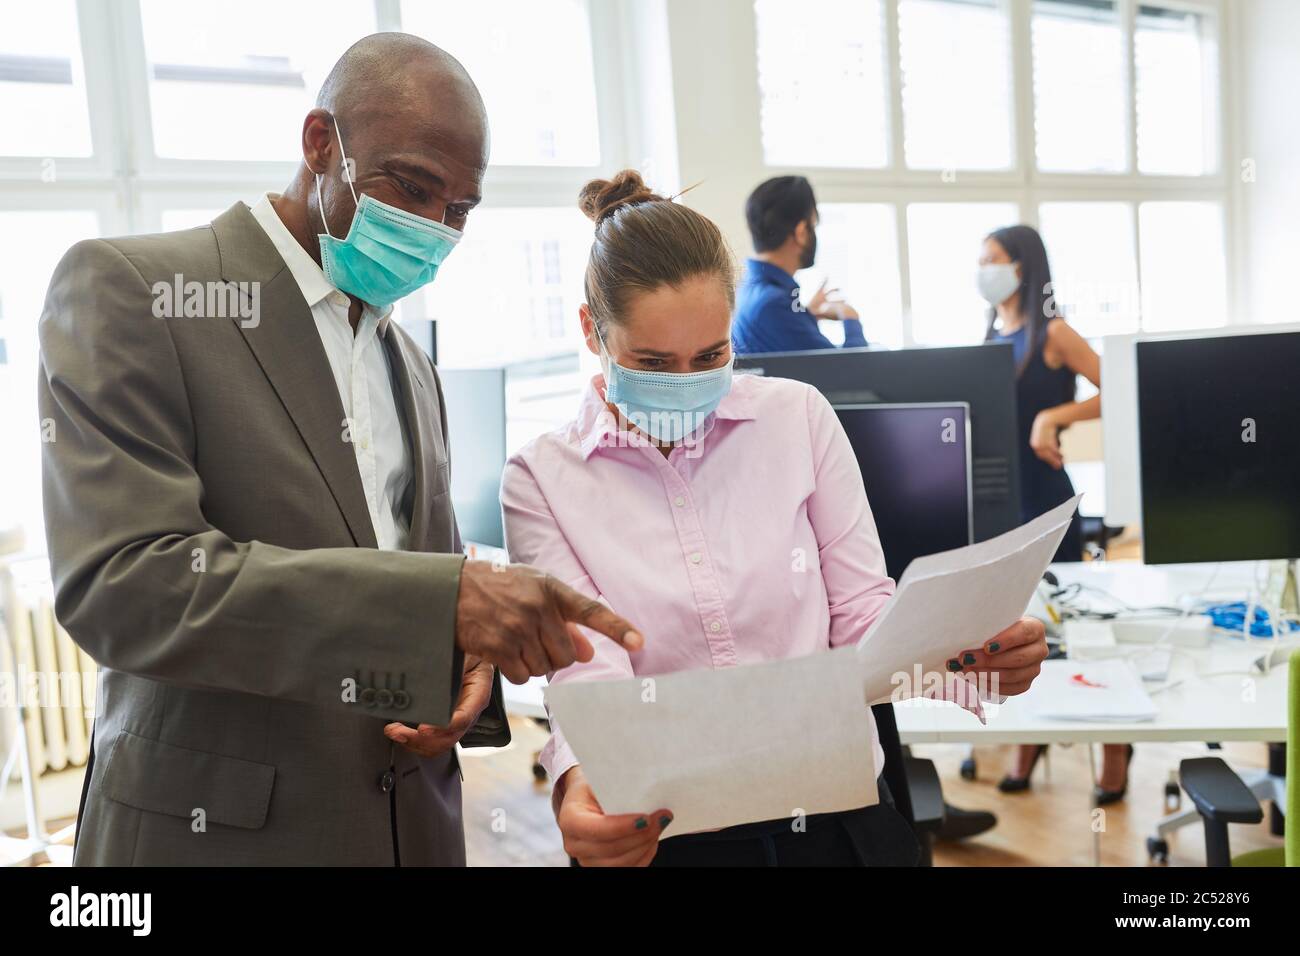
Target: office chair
[1221,797]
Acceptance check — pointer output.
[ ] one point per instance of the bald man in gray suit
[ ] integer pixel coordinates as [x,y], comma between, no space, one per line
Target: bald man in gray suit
[246,497]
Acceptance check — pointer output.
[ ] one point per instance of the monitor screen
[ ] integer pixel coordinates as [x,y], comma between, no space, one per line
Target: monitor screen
[1219,440]
[915,462]
[981,376]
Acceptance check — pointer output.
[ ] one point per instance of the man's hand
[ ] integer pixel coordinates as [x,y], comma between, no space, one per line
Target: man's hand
[525,622]
[827,304]
[1012,658]
[430,741]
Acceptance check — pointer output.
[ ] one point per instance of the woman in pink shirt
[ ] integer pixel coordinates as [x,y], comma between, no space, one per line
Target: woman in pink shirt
[725,518]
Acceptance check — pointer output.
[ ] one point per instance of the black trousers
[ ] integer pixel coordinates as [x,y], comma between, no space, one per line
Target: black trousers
[870,836]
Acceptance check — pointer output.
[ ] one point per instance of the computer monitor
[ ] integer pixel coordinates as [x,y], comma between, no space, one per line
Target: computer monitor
[476,428]
[1219,439]
[982,376]
[916,466]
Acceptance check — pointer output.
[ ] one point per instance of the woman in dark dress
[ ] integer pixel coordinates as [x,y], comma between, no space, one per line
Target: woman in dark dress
[1016,281]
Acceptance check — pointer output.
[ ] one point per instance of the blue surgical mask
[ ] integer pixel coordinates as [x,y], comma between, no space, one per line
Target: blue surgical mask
[388,252]
[666,405]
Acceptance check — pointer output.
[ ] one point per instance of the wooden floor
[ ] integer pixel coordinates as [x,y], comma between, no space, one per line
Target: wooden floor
[508,818]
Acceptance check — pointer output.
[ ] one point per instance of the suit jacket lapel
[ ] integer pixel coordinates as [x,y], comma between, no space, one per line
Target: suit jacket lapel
[288,347]
[414,400]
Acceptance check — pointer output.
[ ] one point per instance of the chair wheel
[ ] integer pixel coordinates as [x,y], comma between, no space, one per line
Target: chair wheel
[1157,850]
[968,768]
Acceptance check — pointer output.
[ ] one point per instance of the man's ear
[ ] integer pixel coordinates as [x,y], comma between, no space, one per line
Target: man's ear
[318,141]
[800,234]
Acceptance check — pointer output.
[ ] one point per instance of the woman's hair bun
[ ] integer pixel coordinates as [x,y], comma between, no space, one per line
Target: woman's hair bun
[601,198]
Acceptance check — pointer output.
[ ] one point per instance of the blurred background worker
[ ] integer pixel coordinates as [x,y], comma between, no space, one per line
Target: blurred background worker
[782,217]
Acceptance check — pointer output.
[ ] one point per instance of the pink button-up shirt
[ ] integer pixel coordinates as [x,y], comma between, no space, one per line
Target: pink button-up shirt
[753,542]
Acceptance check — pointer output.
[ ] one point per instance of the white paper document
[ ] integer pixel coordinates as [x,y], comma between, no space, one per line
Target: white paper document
[766,741]
[723,747]
[956,600]
[1102,690]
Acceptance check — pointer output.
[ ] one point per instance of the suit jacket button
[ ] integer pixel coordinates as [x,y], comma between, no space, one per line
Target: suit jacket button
[386,781]
[384,698]
[368,697]
[401,699]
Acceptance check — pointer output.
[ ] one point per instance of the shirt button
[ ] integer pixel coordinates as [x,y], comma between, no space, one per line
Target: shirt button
[339,299]
[386,781]
[679,501]
[365,444]
[715,626]
[696,558]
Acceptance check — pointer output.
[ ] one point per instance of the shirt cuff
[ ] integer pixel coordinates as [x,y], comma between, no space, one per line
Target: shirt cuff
[556,757]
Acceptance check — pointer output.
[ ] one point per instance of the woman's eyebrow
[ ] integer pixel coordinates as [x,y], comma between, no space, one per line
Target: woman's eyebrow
[716,346]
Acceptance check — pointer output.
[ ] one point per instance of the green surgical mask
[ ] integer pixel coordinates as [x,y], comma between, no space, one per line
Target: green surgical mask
[388,252]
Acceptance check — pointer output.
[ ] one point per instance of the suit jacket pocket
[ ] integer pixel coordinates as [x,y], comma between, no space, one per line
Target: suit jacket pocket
[163,778]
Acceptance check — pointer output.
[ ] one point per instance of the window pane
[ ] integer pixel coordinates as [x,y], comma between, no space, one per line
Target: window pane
[943,247]
[1176,92]
[42,85]
[1184,284]
[1091,249]
[207,66]
[955,57]
[532,63]
[813,59]
[857,253]
[511,290]
[1080,98]
[31,244]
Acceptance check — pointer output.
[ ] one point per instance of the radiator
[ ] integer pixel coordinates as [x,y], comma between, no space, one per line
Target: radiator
[42,667]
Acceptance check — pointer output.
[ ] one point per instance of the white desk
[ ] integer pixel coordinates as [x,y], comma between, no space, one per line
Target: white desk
[1229,707]
[524,700]
[1199,704]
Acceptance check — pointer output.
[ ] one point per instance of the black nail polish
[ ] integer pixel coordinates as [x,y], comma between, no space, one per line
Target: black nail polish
[954,665]
[968,659]
[642,823]
[664,821]
[994,647]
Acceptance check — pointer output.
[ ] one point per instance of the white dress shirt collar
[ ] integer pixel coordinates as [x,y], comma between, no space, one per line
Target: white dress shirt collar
[309,276]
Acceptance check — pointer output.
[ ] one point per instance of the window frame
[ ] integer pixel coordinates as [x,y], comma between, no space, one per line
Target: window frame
[1023,184]
[124,171]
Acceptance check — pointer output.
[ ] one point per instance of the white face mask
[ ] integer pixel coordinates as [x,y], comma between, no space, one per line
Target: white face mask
[997,282]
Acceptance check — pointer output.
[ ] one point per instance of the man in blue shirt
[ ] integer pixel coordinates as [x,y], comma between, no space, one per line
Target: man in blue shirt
[782,216]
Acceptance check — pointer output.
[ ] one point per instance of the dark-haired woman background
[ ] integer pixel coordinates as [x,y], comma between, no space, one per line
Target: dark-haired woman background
[1016,281]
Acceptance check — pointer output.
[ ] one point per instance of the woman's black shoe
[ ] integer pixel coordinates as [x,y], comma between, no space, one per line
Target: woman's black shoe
[1010,784]
[1101,797]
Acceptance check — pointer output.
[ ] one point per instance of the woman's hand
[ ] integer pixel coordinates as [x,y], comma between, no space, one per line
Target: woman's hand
[1045,440]
[1011,659]
[594,839]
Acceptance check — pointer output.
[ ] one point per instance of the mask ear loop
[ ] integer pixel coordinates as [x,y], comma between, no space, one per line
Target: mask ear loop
[604,349]
[347,178]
